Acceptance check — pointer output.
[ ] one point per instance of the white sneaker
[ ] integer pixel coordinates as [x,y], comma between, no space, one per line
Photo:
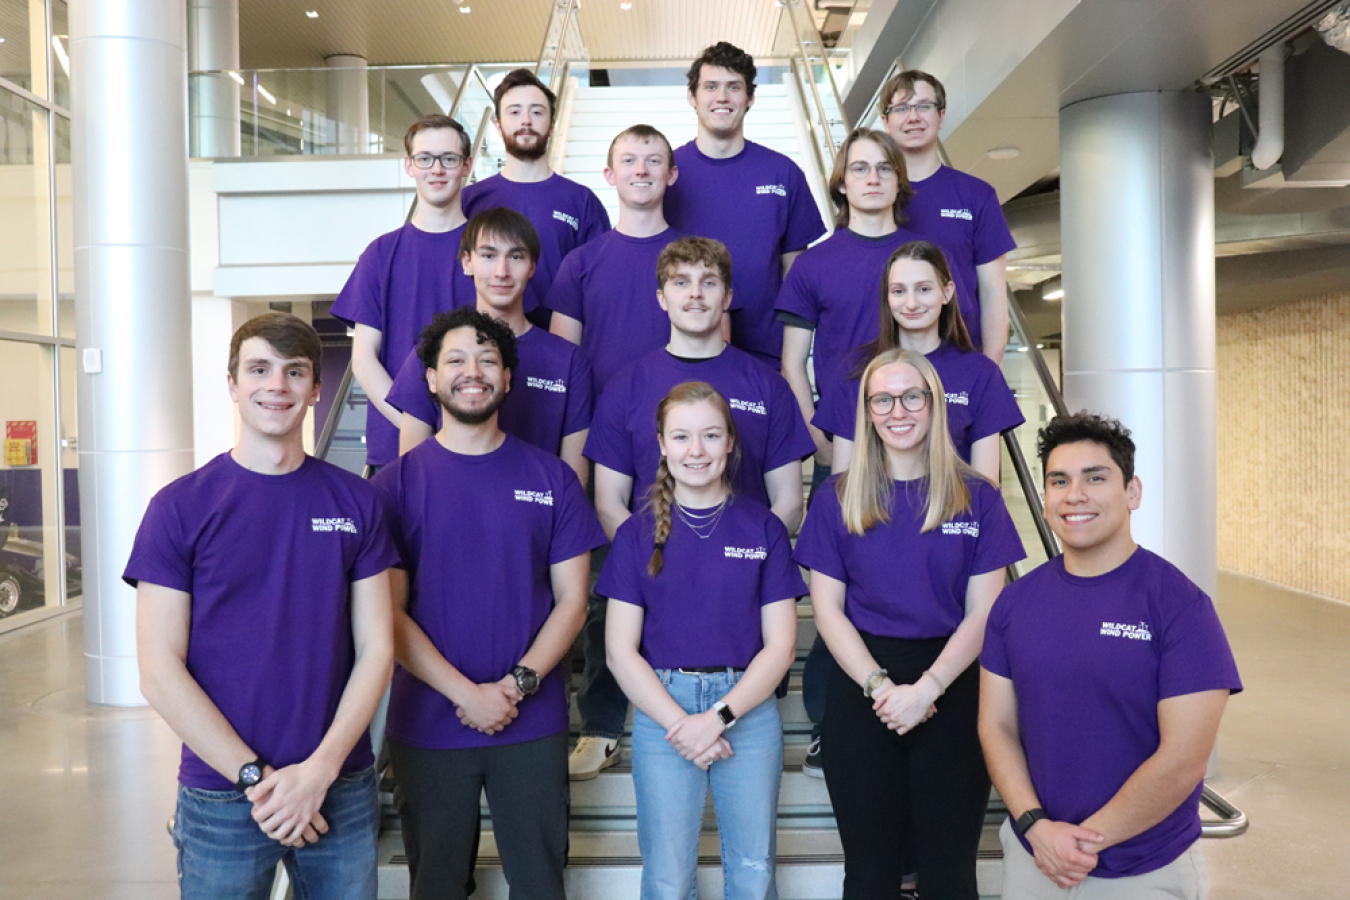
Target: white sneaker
[590,756]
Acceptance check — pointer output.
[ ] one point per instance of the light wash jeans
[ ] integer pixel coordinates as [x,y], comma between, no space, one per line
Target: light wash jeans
[671,792]
[223,853]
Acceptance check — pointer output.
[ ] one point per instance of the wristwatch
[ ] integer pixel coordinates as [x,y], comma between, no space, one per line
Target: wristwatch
[725,714]
[250,773]
[527,679]
[873,682]
[1027,819]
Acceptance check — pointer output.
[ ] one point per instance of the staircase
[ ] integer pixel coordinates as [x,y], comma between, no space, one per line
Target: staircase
[604,863]
[600,113]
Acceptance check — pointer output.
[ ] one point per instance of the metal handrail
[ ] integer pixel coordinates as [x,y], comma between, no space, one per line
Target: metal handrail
[480,136]
[873,107]
[815,91]
[1048,383]
[1232,821]
[325,440]
[464,89]
[1032,493]
[821,163]
[814,32]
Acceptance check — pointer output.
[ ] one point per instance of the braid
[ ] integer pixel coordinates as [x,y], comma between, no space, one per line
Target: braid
[659,500]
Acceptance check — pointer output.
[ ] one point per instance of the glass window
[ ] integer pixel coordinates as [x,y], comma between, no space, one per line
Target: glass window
[29,469]
[17,35]
[65,230]
[25,218]
[70,469]
[60,48]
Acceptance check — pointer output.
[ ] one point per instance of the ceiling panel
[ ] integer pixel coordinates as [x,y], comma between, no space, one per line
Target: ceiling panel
[278,33]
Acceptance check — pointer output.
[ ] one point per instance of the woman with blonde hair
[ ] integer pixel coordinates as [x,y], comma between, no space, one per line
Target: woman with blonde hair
[906,551]
[700,630]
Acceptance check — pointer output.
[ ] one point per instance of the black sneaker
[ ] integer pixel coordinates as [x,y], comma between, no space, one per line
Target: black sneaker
[814,764]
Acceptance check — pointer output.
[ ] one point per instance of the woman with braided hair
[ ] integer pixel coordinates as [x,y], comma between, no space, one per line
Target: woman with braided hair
[702,627]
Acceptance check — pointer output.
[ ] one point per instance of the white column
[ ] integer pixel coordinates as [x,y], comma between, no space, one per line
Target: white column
[348,106]
[1137,210]
[213,100]
[129,161]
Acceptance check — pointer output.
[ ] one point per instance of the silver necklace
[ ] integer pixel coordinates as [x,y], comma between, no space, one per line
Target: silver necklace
[702,524]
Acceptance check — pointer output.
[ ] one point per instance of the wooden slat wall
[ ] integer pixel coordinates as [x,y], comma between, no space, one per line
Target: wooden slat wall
[1284,444]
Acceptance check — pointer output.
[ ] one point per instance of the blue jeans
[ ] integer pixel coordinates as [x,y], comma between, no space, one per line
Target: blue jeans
[223,853]
[671,792]
[600,700]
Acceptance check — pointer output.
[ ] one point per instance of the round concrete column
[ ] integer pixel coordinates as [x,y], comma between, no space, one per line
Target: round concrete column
[1137,212]
[129,167]
[348,107]
[213,100]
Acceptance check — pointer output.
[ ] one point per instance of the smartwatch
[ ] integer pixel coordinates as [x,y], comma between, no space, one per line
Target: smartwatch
[527,679]
[250,773]
[725,714]
[1027,819]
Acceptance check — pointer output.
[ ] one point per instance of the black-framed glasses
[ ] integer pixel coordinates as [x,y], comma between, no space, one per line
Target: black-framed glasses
[924,107]
[913,400]
[449,161]
[885,171]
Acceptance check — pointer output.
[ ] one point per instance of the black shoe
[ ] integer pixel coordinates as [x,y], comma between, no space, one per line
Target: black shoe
[814,764]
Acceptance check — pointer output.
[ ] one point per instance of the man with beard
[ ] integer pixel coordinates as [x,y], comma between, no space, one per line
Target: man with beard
[494,538]
[550,406]
[754,200]
[565,213]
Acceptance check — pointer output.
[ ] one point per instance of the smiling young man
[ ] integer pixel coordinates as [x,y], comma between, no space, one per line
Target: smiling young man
[550,404]
[693,274]
[958,212]
[1105,675]
[494,537]
[408,275]
[602,298]
[752,199]
[263,631]
[565,214]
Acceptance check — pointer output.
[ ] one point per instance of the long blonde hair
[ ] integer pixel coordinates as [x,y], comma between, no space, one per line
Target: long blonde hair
[865,490]
[661,495]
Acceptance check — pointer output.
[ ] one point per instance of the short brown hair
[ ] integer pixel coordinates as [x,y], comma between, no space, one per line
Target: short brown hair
[504,223]
[290,338]
[904,82]
[523,78]
[904,192]
[641,133]
[691,251]
[433,122]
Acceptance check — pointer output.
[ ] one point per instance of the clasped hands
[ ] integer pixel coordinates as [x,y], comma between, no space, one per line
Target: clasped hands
[1065,853]
[286,802]
[698,738]
[490,707]
[904,707]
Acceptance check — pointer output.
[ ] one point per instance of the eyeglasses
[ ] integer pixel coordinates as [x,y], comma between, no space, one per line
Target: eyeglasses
[862,170]
[903,109]
[882,404]
[449,161]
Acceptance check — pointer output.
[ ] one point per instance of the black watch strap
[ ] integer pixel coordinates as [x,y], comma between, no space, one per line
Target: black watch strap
[250,773]
[1027,819]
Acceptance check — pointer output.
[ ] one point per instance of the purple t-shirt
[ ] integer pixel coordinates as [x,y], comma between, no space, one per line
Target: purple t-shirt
[704,607]
[565,214]
[401,280]
[836,286]
[550,397]
[477,535]
[979,401]
[609,286]
[758,204]
[961,214]
[269,561]
[768,420]
[1090,658]
[901,583]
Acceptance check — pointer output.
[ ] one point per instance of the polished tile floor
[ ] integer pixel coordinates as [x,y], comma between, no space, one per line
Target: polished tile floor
[85,791]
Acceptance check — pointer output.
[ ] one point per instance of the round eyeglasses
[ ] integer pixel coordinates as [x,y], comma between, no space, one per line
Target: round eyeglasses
[882,404]
[449,161]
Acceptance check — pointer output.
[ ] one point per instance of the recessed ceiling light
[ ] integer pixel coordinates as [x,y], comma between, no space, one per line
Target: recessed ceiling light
[268,94]
[1004,153]
[1056,294]
[237,77]
[288,112]
[465,9]
[312,13]
[626,5]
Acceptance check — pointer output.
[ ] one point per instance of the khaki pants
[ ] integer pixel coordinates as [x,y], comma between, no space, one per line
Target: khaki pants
[1182,879]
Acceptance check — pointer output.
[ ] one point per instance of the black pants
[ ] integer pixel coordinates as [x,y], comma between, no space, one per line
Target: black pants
[936,771]
[527,794]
